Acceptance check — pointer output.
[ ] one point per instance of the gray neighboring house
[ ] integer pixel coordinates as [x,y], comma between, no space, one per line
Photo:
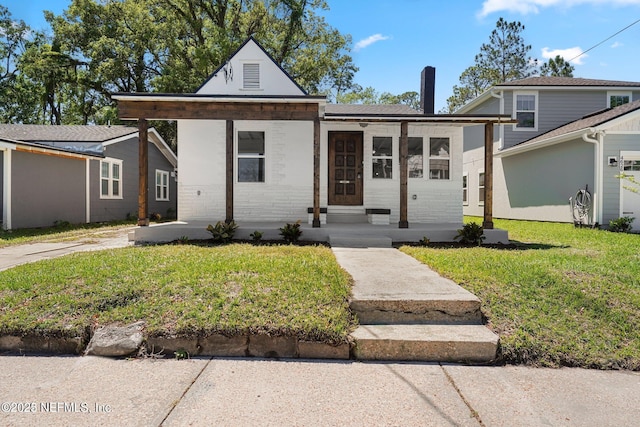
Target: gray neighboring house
[571,133]
[80,174]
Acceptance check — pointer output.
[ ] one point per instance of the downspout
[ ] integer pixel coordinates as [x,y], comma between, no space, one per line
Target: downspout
[6,190]
[594,137]
[499,95]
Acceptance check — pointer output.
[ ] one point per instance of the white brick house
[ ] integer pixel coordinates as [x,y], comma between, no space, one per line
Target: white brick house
[253,146]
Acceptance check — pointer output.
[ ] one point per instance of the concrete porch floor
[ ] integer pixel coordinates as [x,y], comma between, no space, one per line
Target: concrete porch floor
[337,234]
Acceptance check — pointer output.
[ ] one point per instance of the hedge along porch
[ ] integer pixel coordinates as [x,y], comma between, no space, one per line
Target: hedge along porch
[265,122]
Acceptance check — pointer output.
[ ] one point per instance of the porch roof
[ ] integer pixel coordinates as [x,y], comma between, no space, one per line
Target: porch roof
[177,106]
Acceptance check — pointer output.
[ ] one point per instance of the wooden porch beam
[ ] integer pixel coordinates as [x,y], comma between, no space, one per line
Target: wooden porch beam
[230,168]
[316,172]
[143,173]
[176,110]
[404,172]
[488,177]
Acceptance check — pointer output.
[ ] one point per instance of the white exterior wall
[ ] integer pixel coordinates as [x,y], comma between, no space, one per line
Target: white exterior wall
[271,76]
[201,170]
[288,188]
[436,200]
[284,196]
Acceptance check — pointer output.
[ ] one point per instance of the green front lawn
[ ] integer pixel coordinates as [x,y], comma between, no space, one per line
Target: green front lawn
[183,290]
[564,297]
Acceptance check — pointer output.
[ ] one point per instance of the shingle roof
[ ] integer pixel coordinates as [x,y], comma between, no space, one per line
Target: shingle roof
[586,122]
[50,133]
[368,109]
[567,82]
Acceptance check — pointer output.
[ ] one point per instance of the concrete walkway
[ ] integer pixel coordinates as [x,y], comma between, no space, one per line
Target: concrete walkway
[74,391]
[11,256]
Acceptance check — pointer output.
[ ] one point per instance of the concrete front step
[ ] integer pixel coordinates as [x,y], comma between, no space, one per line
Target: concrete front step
[435,310]
[354,241]
[425,343]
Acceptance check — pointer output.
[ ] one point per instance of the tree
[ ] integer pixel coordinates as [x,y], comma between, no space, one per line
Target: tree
[19,105]
[368,95]
[501,60]
[557,67]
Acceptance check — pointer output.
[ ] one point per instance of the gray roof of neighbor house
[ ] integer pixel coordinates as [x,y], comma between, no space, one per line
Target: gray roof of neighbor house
[596,119]
[366,109]
[72,133]
[567,82]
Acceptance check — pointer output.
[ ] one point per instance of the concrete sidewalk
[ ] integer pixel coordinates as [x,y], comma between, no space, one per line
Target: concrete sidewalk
[70,391]
[11,256]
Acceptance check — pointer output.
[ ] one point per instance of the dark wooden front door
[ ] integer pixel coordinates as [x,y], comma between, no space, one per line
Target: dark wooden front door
[345,168]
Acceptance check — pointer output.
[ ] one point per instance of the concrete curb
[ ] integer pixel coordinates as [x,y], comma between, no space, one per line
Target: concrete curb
[218,345]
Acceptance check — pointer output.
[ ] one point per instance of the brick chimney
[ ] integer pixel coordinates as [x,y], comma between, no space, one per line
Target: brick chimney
[428,90]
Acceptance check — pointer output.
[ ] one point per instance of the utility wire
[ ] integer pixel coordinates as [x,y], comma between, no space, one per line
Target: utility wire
[608,38]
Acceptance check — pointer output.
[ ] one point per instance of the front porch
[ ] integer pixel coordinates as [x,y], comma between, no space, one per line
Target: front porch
[336,234]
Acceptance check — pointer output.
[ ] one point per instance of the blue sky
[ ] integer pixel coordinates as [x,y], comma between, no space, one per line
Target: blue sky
[393,40]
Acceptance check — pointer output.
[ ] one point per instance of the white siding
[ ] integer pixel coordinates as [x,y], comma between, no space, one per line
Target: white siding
[273,81]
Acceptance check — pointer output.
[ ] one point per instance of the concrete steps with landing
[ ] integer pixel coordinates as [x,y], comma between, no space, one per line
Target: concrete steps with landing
[409,312]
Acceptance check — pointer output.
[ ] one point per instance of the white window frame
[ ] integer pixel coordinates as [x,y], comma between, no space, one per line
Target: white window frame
[481,186]
[251,69]
[239,156]
[535,111]
[419,156]
[438,157]
[375,157]
[616,93]
[465,188]
[162,185]
[110,179]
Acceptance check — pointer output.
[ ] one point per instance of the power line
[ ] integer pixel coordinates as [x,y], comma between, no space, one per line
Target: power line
[608,38]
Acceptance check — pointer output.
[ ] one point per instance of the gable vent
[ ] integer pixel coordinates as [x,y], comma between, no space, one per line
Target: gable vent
[251,76]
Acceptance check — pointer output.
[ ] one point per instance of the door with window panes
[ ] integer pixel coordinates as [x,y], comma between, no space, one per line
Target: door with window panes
[630,199]
[345,168]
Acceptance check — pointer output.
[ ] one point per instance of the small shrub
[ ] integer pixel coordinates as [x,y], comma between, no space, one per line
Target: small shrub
[222,232]
[471,234]
[183,240]
[424,241]
[621,225]
[155,216]
[61,224]
[291,232]
[256,236]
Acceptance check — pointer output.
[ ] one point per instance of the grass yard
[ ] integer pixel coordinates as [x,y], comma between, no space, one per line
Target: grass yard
[564,297]
[60,233]
[182,290]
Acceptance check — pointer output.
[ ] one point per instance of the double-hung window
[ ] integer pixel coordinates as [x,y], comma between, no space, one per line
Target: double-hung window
[382,157]
[526,110]
[162,185]
[465,188]
[414,161]
[439,158]
[251,156]
[481,188]
[111,179]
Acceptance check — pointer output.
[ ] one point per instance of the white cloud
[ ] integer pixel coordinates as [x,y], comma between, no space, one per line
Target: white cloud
[572,54]
[616,44]
[369,41]
[526,7]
